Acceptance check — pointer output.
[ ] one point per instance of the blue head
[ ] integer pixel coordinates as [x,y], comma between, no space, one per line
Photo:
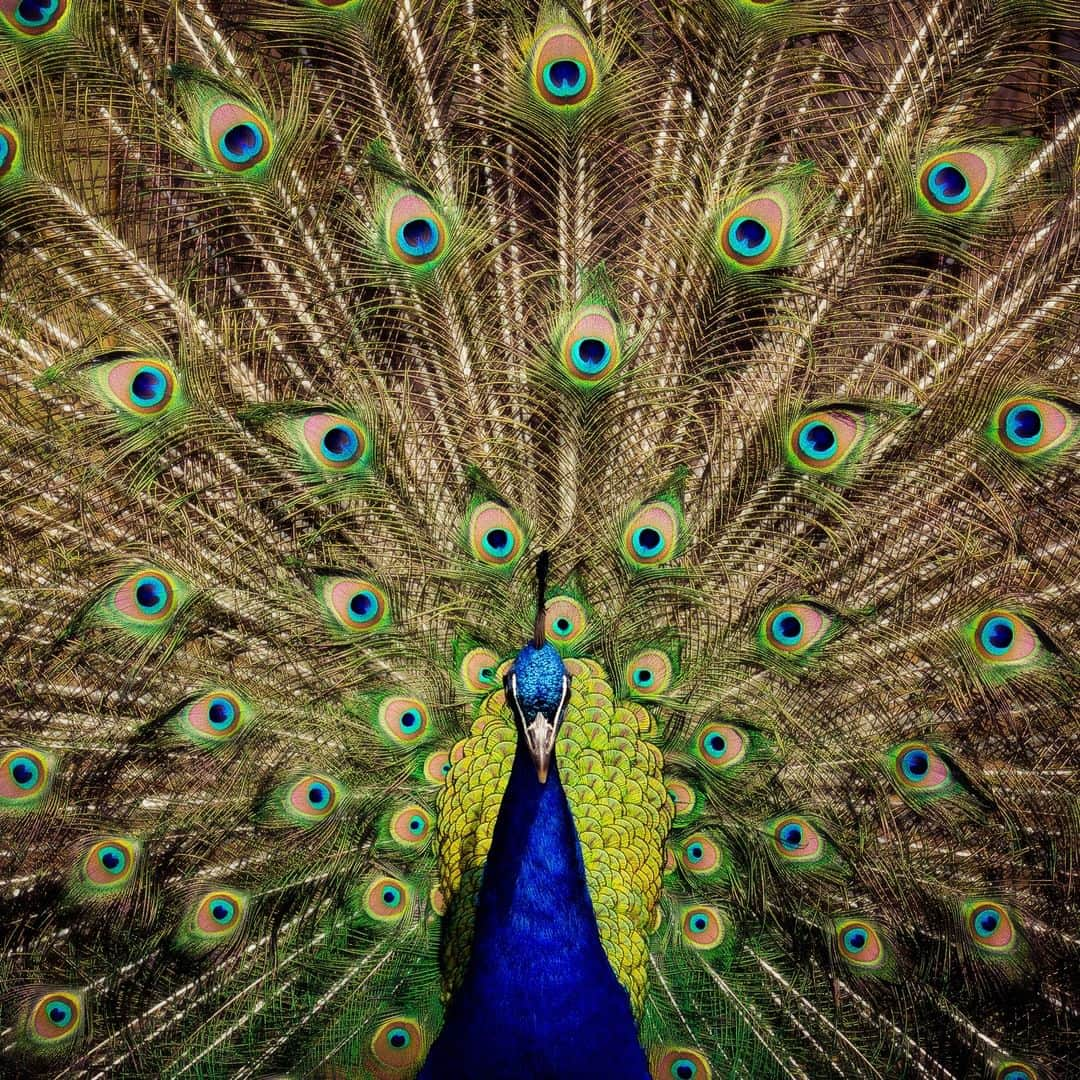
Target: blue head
[537,690]
[538,687]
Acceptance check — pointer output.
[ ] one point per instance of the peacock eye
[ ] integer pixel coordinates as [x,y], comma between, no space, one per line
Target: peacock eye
[397,1047]
[720,746]
[56,1017]
[650,672]
[34,17]
[652,535]
[990,926]
[24,771]
[591,355]
[387,899]
[821,442]
[796,843]
[477,669]
[563,70]
[237,138]
[590,348]
[214,717]
[144,601]
[954,182]
[355,604]
[699,855]
[419,236]
[404,719]
[495,537]
[947,183]
[702,926]
[1002,640]
[437,767]
[311,799]
[860,944]
[411,825]
[750,236]
[9,151]
[25,777]
[919,766]
[415,233]
[1013,1070]
[329,443]
[214,919]
[109,863]
[680,1063]
[795,629]
[1030,427]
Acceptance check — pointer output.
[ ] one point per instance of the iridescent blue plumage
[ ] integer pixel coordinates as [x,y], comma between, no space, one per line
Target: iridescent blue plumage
[539,999]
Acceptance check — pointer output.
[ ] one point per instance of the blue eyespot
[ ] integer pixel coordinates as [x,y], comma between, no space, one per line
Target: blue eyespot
[60,1013]
[787,628]
[748,236]
[221,713]
[409,720]
[564,77]
[643,678]
[682,1069]
[318,795]
[695,853]
[699,923]
[148,387]
[113,859]
[222,911]
[24,771]
[34,13]
[398,1038]
[340,443]
[590,355]
[391,896]
[1023,425]
[417,824]
[948,184]
[151,595]
[498,542]
[562,626]
[418,237]
[362,604]
[986,922]
[241,143]
[997,635]
[791,836]
[817,441]
[648,541]
[855,939]
[916,764]
[715,745]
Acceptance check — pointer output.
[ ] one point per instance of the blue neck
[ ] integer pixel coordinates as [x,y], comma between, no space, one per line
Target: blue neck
[539,998]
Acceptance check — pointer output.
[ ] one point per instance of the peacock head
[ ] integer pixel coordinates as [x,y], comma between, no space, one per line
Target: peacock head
[537,687]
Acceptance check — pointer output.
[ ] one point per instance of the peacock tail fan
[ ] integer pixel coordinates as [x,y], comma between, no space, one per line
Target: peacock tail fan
[321,319]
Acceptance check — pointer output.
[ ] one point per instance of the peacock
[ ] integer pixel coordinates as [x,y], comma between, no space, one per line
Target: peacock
[539,539]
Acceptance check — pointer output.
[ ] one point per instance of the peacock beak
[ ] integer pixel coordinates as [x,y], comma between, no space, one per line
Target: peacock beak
[540,735]
[538,728]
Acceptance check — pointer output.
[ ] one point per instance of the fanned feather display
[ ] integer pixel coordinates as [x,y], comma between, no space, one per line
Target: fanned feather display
[539,540]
